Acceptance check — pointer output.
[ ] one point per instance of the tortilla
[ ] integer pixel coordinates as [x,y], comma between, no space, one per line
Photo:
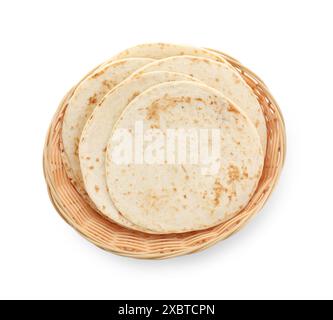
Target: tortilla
[165,50]
[222,77]
[97,131]
[175,198]
[86,96]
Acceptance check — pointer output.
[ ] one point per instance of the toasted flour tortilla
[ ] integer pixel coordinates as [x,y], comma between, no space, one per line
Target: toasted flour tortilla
[97,131]
[87,95]
[174,198]
[165,50]
[222,77]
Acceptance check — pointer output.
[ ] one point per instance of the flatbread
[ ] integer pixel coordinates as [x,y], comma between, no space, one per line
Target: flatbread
[222,77]
[165,50]
[86,96]
[97,131]
[174,198]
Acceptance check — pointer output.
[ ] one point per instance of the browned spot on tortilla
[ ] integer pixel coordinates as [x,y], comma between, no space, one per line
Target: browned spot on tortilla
[231,194]
[119,63]
[93,100]
[154,126]
[153,111]
[98,74]
[152,201]
[231,108]
[233,173]
[91,168]
[97,159]
[199,100]
[138,75]
[218,189]
[257,124]
[96,188]
[134,95]
[195,59]
[76,148]
[109,84]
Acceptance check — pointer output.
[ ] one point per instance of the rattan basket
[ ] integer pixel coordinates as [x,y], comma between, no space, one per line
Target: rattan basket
[114,238]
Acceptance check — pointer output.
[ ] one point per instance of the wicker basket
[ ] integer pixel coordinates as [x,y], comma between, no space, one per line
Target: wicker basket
[114,238]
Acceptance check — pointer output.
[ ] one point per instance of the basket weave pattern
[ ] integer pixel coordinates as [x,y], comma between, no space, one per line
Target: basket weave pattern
[107,235]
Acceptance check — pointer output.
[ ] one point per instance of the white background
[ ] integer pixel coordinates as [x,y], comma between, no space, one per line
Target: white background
[285,252]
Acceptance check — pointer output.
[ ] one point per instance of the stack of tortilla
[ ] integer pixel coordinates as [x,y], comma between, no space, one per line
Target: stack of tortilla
[158,90]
